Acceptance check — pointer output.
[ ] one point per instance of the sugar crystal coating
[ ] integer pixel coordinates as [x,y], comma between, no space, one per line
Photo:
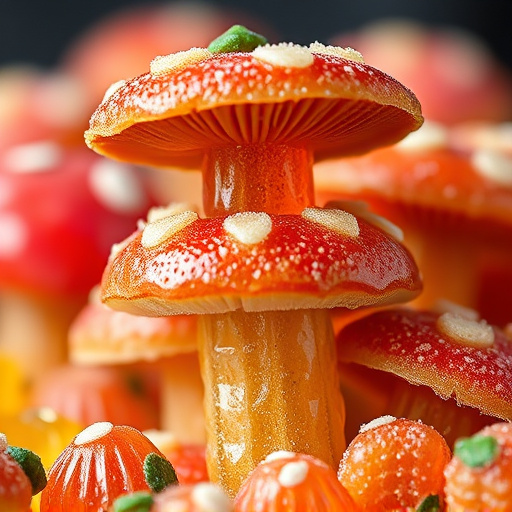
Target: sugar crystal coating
[377,422]
[345,53]
[93,432]
[112,89]
[173,62]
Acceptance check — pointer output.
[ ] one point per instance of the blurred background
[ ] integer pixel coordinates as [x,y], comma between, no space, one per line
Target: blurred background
[39,32]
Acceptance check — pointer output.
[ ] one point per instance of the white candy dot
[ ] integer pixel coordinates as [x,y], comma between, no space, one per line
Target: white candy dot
[249,227]
[278,455]
[112,89]
[471,333]
[493,165]
[208,497]
[33,157]
[293,473]
[377,422]
[161,230]
[116,186]
[430,136]
[93,432]
[284,55]
[345,53]
[337,220]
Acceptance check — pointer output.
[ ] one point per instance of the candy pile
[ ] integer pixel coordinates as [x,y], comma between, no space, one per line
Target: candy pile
[250,353]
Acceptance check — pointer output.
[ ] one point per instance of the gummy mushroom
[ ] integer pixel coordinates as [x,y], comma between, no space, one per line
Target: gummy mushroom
[159,352]
[264,266]
[60,211]
[452,196]
[448,368]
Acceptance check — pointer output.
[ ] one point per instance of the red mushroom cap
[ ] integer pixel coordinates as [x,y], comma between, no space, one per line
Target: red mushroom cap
[258,262]
[457,357]
[100,335]
[321,97]
[60,211]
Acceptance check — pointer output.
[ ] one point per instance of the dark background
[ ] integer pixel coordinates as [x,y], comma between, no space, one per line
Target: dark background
[38,31]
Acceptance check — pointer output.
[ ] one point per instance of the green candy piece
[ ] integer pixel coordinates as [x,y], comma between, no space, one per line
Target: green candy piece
[140,501]
[430,504]
[477,451]
[237,39]
[158,472]
[31,465]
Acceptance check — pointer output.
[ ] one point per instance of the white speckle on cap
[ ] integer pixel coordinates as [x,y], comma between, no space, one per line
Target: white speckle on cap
[208,497]
[286,55]
[164,64]
[116,186]
[161,230]
[248,227]
[112,89]
[33,157]
[93,432]
[377,422]
[293,473]
[335,219]
[430,136]
[279,454]
[345,53]
[493,165]
[3,442]
[13,234]
[159,212]
[466,332]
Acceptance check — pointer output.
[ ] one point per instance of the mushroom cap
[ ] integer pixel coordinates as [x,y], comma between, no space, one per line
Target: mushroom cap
[60,211]
[100,335]
[457,357]
[258,262]
[431,181]
[282,94]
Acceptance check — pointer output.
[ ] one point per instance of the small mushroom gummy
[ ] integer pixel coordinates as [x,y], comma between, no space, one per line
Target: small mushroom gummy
[264,266]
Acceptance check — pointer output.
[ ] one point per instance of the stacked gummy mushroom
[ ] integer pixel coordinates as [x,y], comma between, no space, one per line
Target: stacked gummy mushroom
[265,264]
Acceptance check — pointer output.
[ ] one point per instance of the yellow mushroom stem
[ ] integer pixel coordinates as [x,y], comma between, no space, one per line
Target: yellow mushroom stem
[270,377]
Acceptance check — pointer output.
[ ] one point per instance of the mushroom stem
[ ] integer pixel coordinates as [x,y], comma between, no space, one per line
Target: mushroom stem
[271,384]
[269,178]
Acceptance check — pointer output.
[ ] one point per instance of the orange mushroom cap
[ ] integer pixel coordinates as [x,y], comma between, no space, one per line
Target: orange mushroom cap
[258,262]
[324,98]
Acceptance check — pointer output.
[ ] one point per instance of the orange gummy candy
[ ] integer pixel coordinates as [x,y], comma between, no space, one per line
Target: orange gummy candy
[479,476]
[293,483]
[394,464]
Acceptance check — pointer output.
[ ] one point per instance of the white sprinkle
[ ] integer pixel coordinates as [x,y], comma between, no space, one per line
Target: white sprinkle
[161,230]
[466,332]
[112,89]
[279,454]
[377,422]
[493,165]
[164,64]
[208,497]
[248,227]
[293,473]
[284,55]
[93,432]
[335,219]
[33,157]
[116,186]
[345,53]
[430,136]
